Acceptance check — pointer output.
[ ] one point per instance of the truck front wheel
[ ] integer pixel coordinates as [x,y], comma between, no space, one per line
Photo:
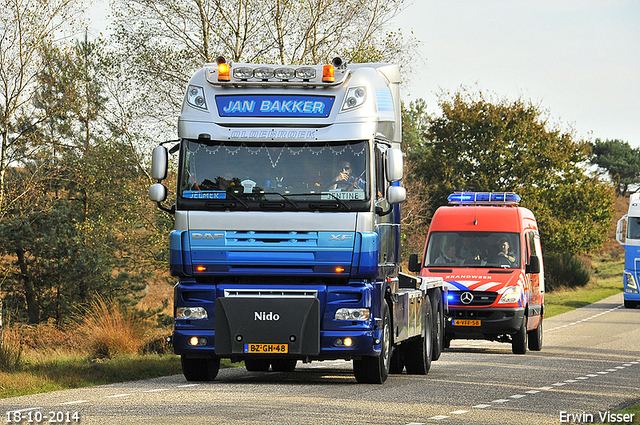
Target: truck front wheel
[437,309]
[200,369]
[375,369]
[630,304]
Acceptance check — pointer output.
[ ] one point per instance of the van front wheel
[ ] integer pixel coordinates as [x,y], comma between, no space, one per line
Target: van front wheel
[519,339]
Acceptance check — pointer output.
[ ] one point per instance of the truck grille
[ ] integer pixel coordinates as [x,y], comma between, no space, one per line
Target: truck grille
[257,293]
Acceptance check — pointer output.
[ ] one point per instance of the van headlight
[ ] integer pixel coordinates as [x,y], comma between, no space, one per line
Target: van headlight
[510,295]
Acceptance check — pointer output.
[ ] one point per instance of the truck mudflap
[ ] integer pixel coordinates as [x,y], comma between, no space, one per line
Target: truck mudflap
[267,326]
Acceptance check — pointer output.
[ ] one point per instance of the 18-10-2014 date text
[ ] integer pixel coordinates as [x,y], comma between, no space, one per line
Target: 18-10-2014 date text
[38,417]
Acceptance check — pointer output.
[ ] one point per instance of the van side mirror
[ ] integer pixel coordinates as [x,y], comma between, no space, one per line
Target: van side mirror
[534,265]
[159,163]
[394,167]
[414,263]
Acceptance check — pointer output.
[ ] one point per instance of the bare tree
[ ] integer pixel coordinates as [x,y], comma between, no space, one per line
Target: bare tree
[25,27]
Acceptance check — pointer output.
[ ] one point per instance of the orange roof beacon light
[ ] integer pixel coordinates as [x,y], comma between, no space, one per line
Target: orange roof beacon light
[328,74]
[224,69]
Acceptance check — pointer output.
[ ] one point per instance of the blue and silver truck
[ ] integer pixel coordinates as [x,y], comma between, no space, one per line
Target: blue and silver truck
[629,226]
[287,223]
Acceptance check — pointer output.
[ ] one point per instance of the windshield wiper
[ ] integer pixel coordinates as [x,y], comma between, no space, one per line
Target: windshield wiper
[225,203]
[277,204]
[319,206]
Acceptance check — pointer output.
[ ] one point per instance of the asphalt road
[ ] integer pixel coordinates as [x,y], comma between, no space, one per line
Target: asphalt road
[589,365]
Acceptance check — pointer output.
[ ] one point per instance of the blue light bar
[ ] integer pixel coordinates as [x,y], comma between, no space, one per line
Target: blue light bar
[484,198]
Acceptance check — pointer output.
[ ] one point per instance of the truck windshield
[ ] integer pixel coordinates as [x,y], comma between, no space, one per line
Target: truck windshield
[473,249]
[277,173]
[633,228]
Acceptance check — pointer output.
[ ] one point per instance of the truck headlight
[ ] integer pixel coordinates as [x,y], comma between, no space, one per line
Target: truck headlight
[510,295]
[191,313]
[631,282]
[355,97]
[352,314]
[195,97]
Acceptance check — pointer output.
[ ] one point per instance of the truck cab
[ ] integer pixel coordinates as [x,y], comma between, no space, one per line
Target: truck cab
[488,251]
[286,244]
[628,235]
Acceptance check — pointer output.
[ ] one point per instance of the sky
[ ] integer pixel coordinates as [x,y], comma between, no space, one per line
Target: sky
[578,60]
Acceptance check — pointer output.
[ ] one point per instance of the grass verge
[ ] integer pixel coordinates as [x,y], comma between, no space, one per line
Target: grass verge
[43,373]
[605,281]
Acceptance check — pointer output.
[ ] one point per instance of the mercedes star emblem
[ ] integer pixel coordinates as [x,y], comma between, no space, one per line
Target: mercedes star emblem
[466,297]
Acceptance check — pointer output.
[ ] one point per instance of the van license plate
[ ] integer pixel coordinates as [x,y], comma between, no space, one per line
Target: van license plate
[266,348]
[466,322]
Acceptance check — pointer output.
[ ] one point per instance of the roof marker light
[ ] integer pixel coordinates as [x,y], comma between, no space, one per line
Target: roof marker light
[224,72]
[484,198]
[328,74]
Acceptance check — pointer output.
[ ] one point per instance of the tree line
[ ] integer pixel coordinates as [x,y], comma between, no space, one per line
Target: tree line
[78,116]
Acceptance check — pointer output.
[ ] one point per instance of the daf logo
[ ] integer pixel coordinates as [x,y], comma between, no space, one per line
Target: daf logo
[207,236]
[466,297]
[339,237]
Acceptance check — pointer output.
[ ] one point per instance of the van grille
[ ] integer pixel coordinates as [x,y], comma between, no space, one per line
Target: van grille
[480,298]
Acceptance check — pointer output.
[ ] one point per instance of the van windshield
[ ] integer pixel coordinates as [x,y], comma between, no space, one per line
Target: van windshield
[473,249]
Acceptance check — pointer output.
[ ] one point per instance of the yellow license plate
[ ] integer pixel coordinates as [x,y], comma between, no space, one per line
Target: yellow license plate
[465,322]
[266,348]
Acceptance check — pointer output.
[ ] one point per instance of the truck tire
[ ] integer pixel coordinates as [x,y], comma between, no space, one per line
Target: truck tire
[375,369]
[257,365]
[519,339]
[200,369]
[418,351]
[397,360]
[283,365]
[630,304]
[437,309]
[535,337]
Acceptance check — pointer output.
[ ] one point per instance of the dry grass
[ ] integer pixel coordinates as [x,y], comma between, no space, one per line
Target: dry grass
[10,351]
[111,331]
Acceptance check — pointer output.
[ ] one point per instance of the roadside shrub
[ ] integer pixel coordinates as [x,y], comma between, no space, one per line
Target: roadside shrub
[10,352]
[111,330]
[565,270]
[48,336]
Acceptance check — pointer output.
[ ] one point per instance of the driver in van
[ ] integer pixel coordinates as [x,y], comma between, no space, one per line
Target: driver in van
[448,255]
[504,252]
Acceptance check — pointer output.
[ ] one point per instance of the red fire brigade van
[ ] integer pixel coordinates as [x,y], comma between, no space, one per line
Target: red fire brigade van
[488,251]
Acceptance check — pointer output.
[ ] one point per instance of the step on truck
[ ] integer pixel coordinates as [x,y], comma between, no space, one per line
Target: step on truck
[628,235]
[287,223]
[487,249]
